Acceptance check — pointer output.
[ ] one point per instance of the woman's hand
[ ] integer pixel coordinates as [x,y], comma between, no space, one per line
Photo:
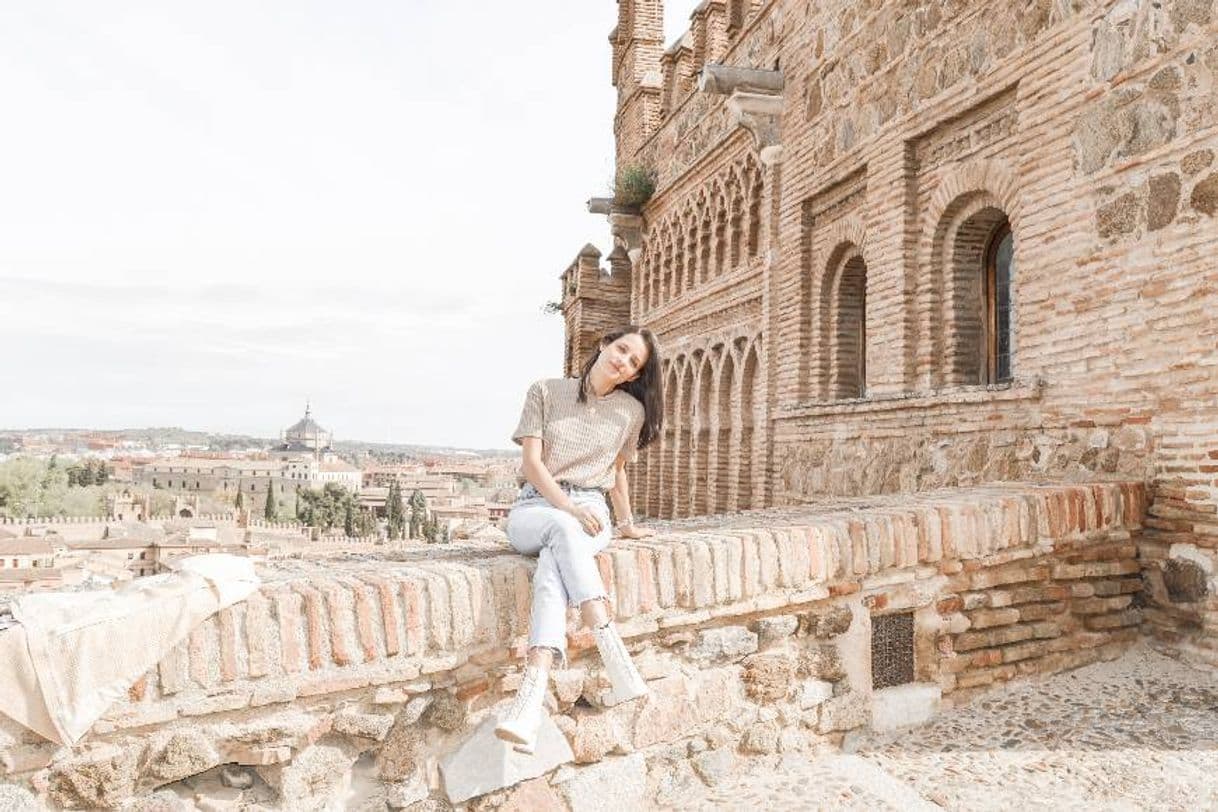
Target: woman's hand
[587,518]
[634,531]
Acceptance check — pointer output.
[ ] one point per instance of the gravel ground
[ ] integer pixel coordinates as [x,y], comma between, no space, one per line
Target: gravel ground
[1140,732]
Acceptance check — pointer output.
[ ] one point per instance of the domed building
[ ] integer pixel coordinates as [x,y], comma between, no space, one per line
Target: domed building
[305,436]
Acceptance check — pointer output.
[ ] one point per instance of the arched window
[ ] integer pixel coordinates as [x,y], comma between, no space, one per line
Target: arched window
[999,269]
[850,343]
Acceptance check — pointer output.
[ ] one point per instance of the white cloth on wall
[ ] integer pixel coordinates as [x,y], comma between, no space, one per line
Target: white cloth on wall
[73,654]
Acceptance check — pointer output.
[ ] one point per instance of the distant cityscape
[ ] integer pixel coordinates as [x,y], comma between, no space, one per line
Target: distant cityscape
[83,508]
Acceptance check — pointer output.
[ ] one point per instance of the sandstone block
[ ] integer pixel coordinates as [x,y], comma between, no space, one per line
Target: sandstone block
[404,794]
[569,683]
[771,629]
[762,738]
[315,779]
[483,763]
[17,799]
[180,754]
[446,712]
[258,755]
[768,677]
[610,786]
[832,622]
[365,725]
[26,758]
[102,778]
[668,713]
[822,661]
[401,756]
[812,692]
[843,713]
[672,779]
[727,643]
[535,795]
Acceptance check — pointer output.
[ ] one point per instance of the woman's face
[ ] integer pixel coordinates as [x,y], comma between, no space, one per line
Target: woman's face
[623,358]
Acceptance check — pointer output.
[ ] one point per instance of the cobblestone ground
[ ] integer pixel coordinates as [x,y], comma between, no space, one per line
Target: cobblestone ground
[1137,733]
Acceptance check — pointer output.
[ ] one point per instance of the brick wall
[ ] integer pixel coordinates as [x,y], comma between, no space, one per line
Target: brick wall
[909,139]
[744,620]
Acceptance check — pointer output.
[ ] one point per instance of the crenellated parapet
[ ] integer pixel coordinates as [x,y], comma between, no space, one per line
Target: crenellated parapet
[595,300]
[637,43]
[383,672]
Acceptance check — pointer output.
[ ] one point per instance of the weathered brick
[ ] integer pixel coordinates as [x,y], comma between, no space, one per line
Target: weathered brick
[1000,636]
[985,618]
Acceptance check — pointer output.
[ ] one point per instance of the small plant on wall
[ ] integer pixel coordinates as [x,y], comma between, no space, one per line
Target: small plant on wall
[633,186]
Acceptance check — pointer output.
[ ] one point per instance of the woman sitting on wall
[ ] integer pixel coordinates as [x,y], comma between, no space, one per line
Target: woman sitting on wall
[577,435]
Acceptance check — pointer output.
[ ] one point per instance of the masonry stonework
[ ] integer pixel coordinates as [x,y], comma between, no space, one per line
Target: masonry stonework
[360,679]
[818,257]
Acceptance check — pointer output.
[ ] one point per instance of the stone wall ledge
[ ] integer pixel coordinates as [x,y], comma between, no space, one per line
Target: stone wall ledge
[754,631]
[903,401]
[461,613]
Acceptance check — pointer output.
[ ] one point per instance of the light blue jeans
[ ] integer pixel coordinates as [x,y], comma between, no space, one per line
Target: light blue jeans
[566,572]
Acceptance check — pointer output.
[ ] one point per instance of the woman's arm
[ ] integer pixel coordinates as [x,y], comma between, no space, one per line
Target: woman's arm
[540,478]
[619,494]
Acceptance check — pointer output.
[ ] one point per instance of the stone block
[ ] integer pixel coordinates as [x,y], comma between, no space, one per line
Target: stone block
[822,661]
[831,622]
[483,763]
[714,767]
[812,692]
[102,777]
[17,799]
[365,725]
[666,714]
[315,779]
[257,755]
[845,712]
[568,684]
[179,754]
[610,786]
[768,677]
[724,644]
[535,795]
[26,758]
[446,712]
[772,629]
[405,794]
[401,756]
[762,738]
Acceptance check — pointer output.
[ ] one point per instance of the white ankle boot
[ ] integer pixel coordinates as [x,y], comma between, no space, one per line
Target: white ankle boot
[623,676]
[519,725]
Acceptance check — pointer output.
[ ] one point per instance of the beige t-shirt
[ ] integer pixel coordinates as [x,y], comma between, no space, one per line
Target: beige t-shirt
[580,441]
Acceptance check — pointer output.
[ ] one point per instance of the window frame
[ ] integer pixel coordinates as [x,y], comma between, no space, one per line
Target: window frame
[990,305]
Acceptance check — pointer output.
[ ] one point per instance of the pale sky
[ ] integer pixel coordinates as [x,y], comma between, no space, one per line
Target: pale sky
[210,212]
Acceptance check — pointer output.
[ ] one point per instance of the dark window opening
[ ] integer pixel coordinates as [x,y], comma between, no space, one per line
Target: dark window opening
[999,270]
[892,657]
